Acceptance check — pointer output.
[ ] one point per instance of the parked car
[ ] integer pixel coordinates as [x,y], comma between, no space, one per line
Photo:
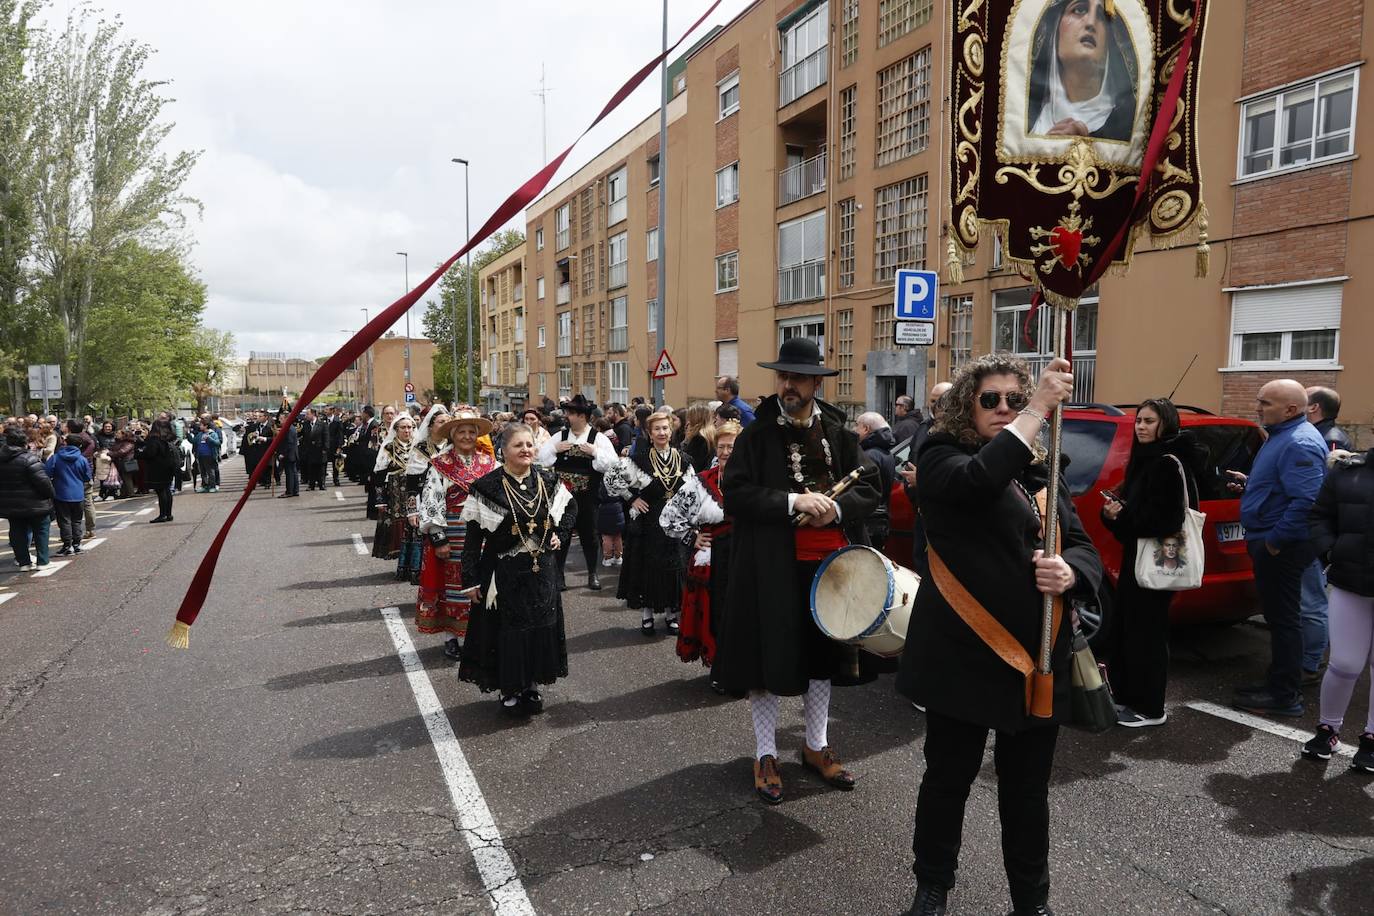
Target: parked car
[1097,441]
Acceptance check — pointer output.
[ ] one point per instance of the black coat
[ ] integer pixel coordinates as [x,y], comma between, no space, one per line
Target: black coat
[1342,524]
[161,459]
[1153,494]
[982,526]
[878,447]
[289,450]
[25,488]
[311,438]
[905,427]
[699,451]
[762,637]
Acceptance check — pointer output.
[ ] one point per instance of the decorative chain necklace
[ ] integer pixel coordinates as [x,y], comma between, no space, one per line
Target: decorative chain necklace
[529,507]
[667,471]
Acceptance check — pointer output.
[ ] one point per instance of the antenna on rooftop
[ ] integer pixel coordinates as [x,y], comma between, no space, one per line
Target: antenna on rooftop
[543,93]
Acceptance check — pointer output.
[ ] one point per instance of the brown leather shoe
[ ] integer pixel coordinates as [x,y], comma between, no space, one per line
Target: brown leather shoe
[767,780]
[828,766]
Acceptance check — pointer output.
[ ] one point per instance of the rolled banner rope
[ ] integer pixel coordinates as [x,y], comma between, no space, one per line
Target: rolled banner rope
[194,599]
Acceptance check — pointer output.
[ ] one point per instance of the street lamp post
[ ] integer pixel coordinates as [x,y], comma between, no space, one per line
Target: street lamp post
[467,299]
[371,393]
[406,255]
[356,385]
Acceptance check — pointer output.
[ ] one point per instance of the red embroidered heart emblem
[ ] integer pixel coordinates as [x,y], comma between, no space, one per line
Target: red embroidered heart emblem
[1066,244]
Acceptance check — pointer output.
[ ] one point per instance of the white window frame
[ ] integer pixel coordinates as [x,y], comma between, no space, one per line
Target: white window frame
[651,244]
[654,166]
[618,371]
[618,340]
[1278,98]
[564,375]
[565,333]
[723,108]
[539,287]
[617,196]
[539,239]
[803,324]
[729,194]
[541,337]
[651,308]
[618,245]
[730,263]
[562,231]
[1298,325]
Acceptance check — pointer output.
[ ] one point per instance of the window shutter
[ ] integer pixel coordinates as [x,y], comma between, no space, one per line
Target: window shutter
[1292,308]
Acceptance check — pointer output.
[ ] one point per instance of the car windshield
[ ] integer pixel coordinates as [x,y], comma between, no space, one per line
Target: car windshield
[1229,448]
[1086,442]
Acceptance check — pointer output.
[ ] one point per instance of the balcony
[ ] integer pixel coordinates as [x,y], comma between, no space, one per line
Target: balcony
[564,294]
[1084,375]
[801,180]
[618,275]
[803,76]
[801,282]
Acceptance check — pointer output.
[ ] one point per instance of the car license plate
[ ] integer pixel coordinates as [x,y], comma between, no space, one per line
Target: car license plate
[1230,531]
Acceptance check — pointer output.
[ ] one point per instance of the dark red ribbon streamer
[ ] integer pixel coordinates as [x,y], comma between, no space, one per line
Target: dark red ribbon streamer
[1158,135]
[194,599]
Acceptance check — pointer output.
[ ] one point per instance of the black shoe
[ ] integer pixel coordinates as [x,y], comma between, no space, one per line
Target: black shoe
[1266,704]
[931,900]
[594,583]
[453,649]
[672,627]
[1322,745]
[532,701]
[513,707]
[284,496]
[647,627]
[66,551]
[1040,909]
[160,518]
[1364,757]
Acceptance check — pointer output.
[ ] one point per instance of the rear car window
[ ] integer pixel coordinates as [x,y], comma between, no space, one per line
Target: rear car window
[1087,443]
[1229,448]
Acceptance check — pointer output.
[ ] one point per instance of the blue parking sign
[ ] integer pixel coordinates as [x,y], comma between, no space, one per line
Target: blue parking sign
[916,294]
[410,397]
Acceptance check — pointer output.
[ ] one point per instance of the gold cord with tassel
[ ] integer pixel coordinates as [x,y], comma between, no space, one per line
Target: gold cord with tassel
[1203,249]
[179,637]
[954,267]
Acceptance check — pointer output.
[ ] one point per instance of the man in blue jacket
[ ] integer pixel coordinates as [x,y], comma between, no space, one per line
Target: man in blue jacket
[70,472]
[1279,493]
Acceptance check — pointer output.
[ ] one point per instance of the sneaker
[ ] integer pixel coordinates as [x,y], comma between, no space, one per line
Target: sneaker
[66,551]
[1323,743]
[1128,717]
[1364,757]
[76,550]
[1266,704]
[619,561]
[216,489]
[28,568]
[44,565]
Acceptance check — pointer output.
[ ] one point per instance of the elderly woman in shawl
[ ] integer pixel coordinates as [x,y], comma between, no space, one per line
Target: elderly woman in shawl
[389,483]
[423,448]
[1083,73]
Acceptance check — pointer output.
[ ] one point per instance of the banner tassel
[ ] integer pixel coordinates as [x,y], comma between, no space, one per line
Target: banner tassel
[179,636]
[955,267]
[1204,259]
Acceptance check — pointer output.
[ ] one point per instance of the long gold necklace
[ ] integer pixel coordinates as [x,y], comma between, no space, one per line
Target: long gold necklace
[667,471]
[529,507]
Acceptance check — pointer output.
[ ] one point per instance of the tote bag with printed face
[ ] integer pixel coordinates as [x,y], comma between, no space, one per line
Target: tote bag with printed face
[1173,563]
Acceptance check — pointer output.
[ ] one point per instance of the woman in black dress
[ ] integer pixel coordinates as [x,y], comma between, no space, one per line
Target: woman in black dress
[655,566]
[517,517]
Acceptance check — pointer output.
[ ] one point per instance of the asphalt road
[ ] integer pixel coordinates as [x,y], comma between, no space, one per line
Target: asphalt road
[281,765]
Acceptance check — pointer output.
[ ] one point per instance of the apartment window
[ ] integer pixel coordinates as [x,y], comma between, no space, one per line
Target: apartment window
[519,326]
[561,223]
[619,340]
[539,287]
[845,244]
[904,108]
[848,132]
[543,383]
[997,255]
[812,326]
[588,328]
[540,336]
[564,382]
[539,239]
[849,32]
[618,376]
[565,333]
[960,325]
[494,376]
[897,17]
[587,264]
[652,310]
[1290,326]
[653,172]
[727,358]
[619,273]
[844,353]
[727,272]
[804,59]
[801,258]
[899,228]
[884,326]
[1010,310]
[728,90]
[617,191]
[1300,126]
[727,185]
[651,244]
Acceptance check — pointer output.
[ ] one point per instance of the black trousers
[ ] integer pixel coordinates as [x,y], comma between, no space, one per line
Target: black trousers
[314,474]
[1139,663]
[586,533]
[164,498]
[1278,579]
[954,754]
[293,477]
[334,466]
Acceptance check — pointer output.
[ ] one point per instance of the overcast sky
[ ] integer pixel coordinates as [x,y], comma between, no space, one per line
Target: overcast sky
[327,130]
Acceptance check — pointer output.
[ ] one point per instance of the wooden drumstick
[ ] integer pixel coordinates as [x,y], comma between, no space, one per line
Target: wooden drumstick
[801,518]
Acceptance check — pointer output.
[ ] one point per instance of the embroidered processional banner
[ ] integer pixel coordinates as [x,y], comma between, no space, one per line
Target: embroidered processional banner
[1074,132]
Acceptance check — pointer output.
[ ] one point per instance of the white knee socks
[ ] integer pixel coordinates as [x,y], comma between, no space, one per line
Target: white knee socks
[816,709]
[763,707]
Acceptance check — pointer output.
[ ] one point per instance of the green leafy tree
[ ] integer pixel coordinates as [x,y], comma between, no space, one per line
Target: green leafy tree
[455,288]
[205,366]
[20,329]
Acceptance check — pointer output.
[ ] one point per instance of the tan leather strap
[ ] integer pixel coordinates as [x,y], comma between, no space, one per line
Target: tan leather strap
[988,627]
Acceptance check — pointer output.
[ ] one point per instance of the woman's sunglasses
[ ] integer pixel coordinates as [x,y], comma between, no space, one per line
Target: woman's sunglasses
[989,400]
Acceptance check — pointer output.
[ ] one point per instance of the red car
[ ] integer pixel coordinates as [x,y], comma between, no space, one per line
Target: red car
[1097,439]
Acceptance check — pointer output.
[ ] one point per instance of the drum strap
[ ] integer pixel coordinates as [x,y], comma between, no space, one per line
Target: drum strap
[988,627]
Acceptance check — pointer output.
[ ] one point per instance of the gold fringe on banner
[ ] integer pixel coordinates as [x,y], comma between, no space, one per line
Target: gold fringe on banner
[954,267]
[1204,250]
[179,636]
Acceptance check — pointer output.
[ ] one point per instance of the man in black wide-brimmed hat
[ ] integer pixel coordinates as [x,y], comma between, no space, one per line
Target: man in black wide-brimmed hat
[580,456]
[769,646]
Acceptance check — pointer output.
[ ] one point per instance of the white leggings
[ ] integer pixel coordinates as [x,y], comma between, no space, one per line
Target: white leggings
[1351,620]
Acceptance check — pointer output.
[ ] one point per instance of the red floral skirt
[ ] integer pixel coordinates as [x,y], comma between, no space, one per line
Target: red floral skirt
[439,608]
[694,639]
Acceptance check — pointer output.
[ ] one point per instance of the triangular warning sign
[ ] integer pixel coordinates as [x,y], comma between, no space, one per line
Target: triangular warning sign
[665,367]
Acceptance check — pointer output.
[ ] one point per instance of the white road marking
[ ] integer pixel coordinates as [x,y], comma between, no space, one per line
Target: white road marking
[124,524]
[338,494]
[479,828]
[1261,724]
[51,568]
[359,545]
[93,542]
[6,596]
[144,511]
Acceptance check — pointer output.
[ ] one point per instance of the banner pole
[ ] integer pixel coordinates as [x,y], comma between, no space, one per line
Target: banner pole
[1047,634]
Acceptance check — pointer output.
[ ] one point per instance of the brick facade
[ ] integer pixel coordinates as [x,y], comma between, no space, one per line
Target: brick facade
[1280,50]
[1238,389]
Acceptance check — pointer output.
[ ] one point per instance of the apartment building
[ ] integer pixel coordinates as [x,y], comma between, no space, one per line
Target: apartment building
[383,376]
[505,372]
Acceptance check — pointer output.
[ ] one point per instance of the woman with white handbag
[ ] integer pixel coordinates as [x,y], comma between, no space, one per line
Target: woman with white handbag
[1154,517]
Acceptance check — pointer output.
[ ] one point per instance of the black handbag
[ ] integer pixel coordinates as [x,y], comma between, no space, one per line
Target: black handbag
[1091,707]
[131,465]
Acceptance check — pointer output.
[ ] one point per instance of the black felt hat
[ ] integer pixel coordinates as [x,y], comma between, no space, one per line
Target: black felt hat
[800,355]
[579,404]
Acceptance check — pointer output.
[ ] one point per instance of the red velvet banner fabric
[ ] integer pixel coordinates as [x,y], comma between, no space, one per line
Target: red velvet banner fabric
[194,599]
